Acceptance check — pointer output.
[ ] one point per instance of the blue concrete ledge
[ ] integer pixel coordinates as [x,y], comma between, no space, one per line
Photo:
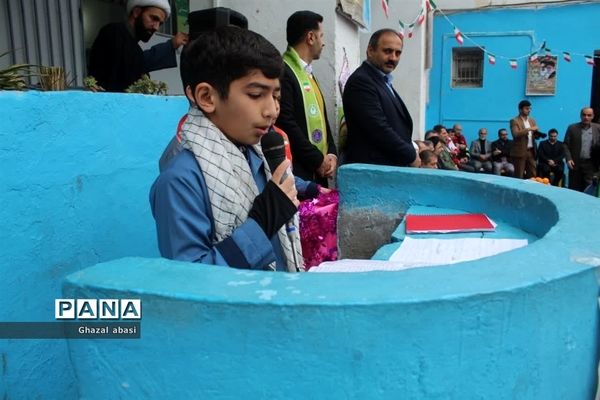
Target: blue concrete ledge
[522,324]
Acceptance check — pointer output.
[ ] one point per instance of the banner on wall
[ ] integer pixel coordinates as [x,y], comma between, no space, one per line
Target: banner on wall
[541,76]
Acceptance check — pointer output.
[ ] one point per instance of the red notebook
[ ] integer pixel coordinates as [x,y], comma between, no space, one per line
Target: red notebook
[448,223]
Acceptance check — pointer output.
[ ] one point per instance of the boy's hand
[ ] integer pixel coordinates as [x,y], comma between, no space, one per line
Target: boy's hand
[277,203]
[285,181]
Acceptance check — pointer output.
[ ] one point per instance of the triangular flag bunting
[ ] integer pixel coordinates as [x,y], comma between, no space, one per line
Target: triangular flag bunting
[430,5]
[513,63]
[548,51]
[491,59]
[421,18]
[533,57]
[458,36]
[411,28]
[401,31]
[567,56]
[589,60]
[385,6]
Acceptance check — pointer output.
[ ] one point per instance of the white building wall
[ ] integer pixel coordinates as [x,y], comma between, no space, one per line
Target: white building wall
[410,77]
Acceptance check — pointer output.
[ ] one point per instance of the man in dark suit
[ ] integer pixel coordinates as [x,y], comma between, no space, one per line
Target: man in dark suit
[551,154]
[379,125]
[303,115]
[580,140]
[501,153]
[524,131]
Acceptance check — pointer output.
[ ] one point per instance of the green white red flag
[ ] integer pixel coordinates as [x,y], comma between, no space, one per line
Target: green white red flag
[458,36]
[386,7]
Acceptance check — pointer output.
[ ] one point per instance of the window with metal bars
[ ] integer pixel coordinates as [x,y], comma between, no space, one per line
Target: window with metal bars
[467,67]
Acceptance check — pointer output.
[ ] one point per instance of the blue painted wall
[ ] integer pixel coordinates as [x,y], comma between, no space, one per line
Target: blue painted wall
[520,325]
[514,32]
[76,168]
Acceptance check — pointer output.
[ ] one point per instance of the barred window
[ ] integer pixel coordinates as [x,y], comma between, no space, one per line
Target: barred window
[467,67]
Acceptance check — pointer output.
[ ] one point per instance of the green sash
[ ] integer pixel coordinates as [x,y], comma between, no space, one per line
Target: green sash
[315,120]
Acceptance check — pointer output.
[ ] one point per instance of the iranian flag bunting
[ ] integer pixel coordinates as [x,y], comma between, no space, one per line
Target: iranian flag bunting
[533,57]
[589,60]
[401,31]
[385,6]
[491,59]
[567,56]
[513,63]
[458,36]
[421,18]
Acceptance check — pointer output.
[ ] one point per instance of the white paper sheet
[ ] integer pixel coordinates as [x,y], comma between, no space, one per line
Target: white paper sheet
[415,253]
[427,252]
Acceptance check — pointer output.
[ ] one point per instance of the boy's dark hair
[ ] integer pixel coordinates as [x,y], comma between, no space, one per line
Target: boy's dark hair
[426,156]
[221,56]
[299,24]
[552,130]
[374,40]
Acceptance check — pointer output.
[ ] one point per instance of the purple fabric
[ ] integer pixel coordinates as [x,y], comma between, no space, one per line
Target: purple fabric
[318,228]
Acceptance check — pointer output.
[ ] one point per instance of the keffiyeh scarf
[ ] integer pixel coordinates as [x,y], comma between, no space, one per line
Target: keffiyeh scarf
[231,186]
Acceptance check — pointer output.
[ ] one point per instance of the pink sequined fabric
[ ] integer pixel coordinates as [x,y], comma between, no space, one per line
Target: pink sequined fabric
[318,228]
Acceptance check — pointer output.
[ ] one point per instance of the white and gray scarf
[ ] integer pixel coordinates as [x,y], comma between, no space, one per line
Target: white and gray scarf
[231,187]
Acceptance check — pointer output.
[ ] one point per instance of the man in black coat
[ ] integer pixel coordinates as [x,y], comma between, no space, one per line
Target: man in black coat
[116,59]
[551,155]
[379,125]
[303,116]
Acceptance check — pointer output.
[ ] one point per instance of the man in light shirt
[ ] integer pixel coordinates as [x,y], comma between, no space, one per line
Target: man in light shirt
[524,130]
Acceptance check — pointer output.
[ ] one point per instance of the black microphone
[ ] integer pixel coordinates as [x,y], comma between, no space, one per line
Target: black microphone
[273,147]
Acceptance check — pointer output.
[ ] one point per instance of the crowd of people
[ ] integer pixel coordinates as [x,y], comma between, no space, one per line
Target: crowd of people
[525,156]
[217,200]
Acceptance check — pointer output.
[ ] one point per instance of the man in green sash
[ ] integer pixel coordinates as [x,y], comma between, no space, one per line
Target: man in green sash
[303,116]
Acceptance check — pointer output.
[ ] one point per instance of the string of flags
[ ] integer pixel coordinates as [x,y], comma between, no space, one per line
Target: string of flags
[407,29]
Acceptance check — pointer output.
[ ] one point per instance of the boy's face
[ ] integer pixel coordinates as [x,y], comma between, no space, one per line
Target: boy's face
[432,163]
[249,110]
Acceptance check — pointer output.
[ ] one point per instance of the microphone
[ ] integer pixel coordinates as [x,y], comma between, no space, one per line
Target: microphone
[273,147]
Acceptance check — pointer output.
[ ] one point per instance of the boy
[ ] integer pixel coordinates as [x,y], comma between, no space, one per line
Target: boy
[213,202]
[428,159]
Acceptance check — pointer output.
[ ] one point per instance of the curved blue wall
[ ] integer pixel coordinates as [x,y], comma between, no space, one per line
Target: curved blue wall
[522,324]
[76,168]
